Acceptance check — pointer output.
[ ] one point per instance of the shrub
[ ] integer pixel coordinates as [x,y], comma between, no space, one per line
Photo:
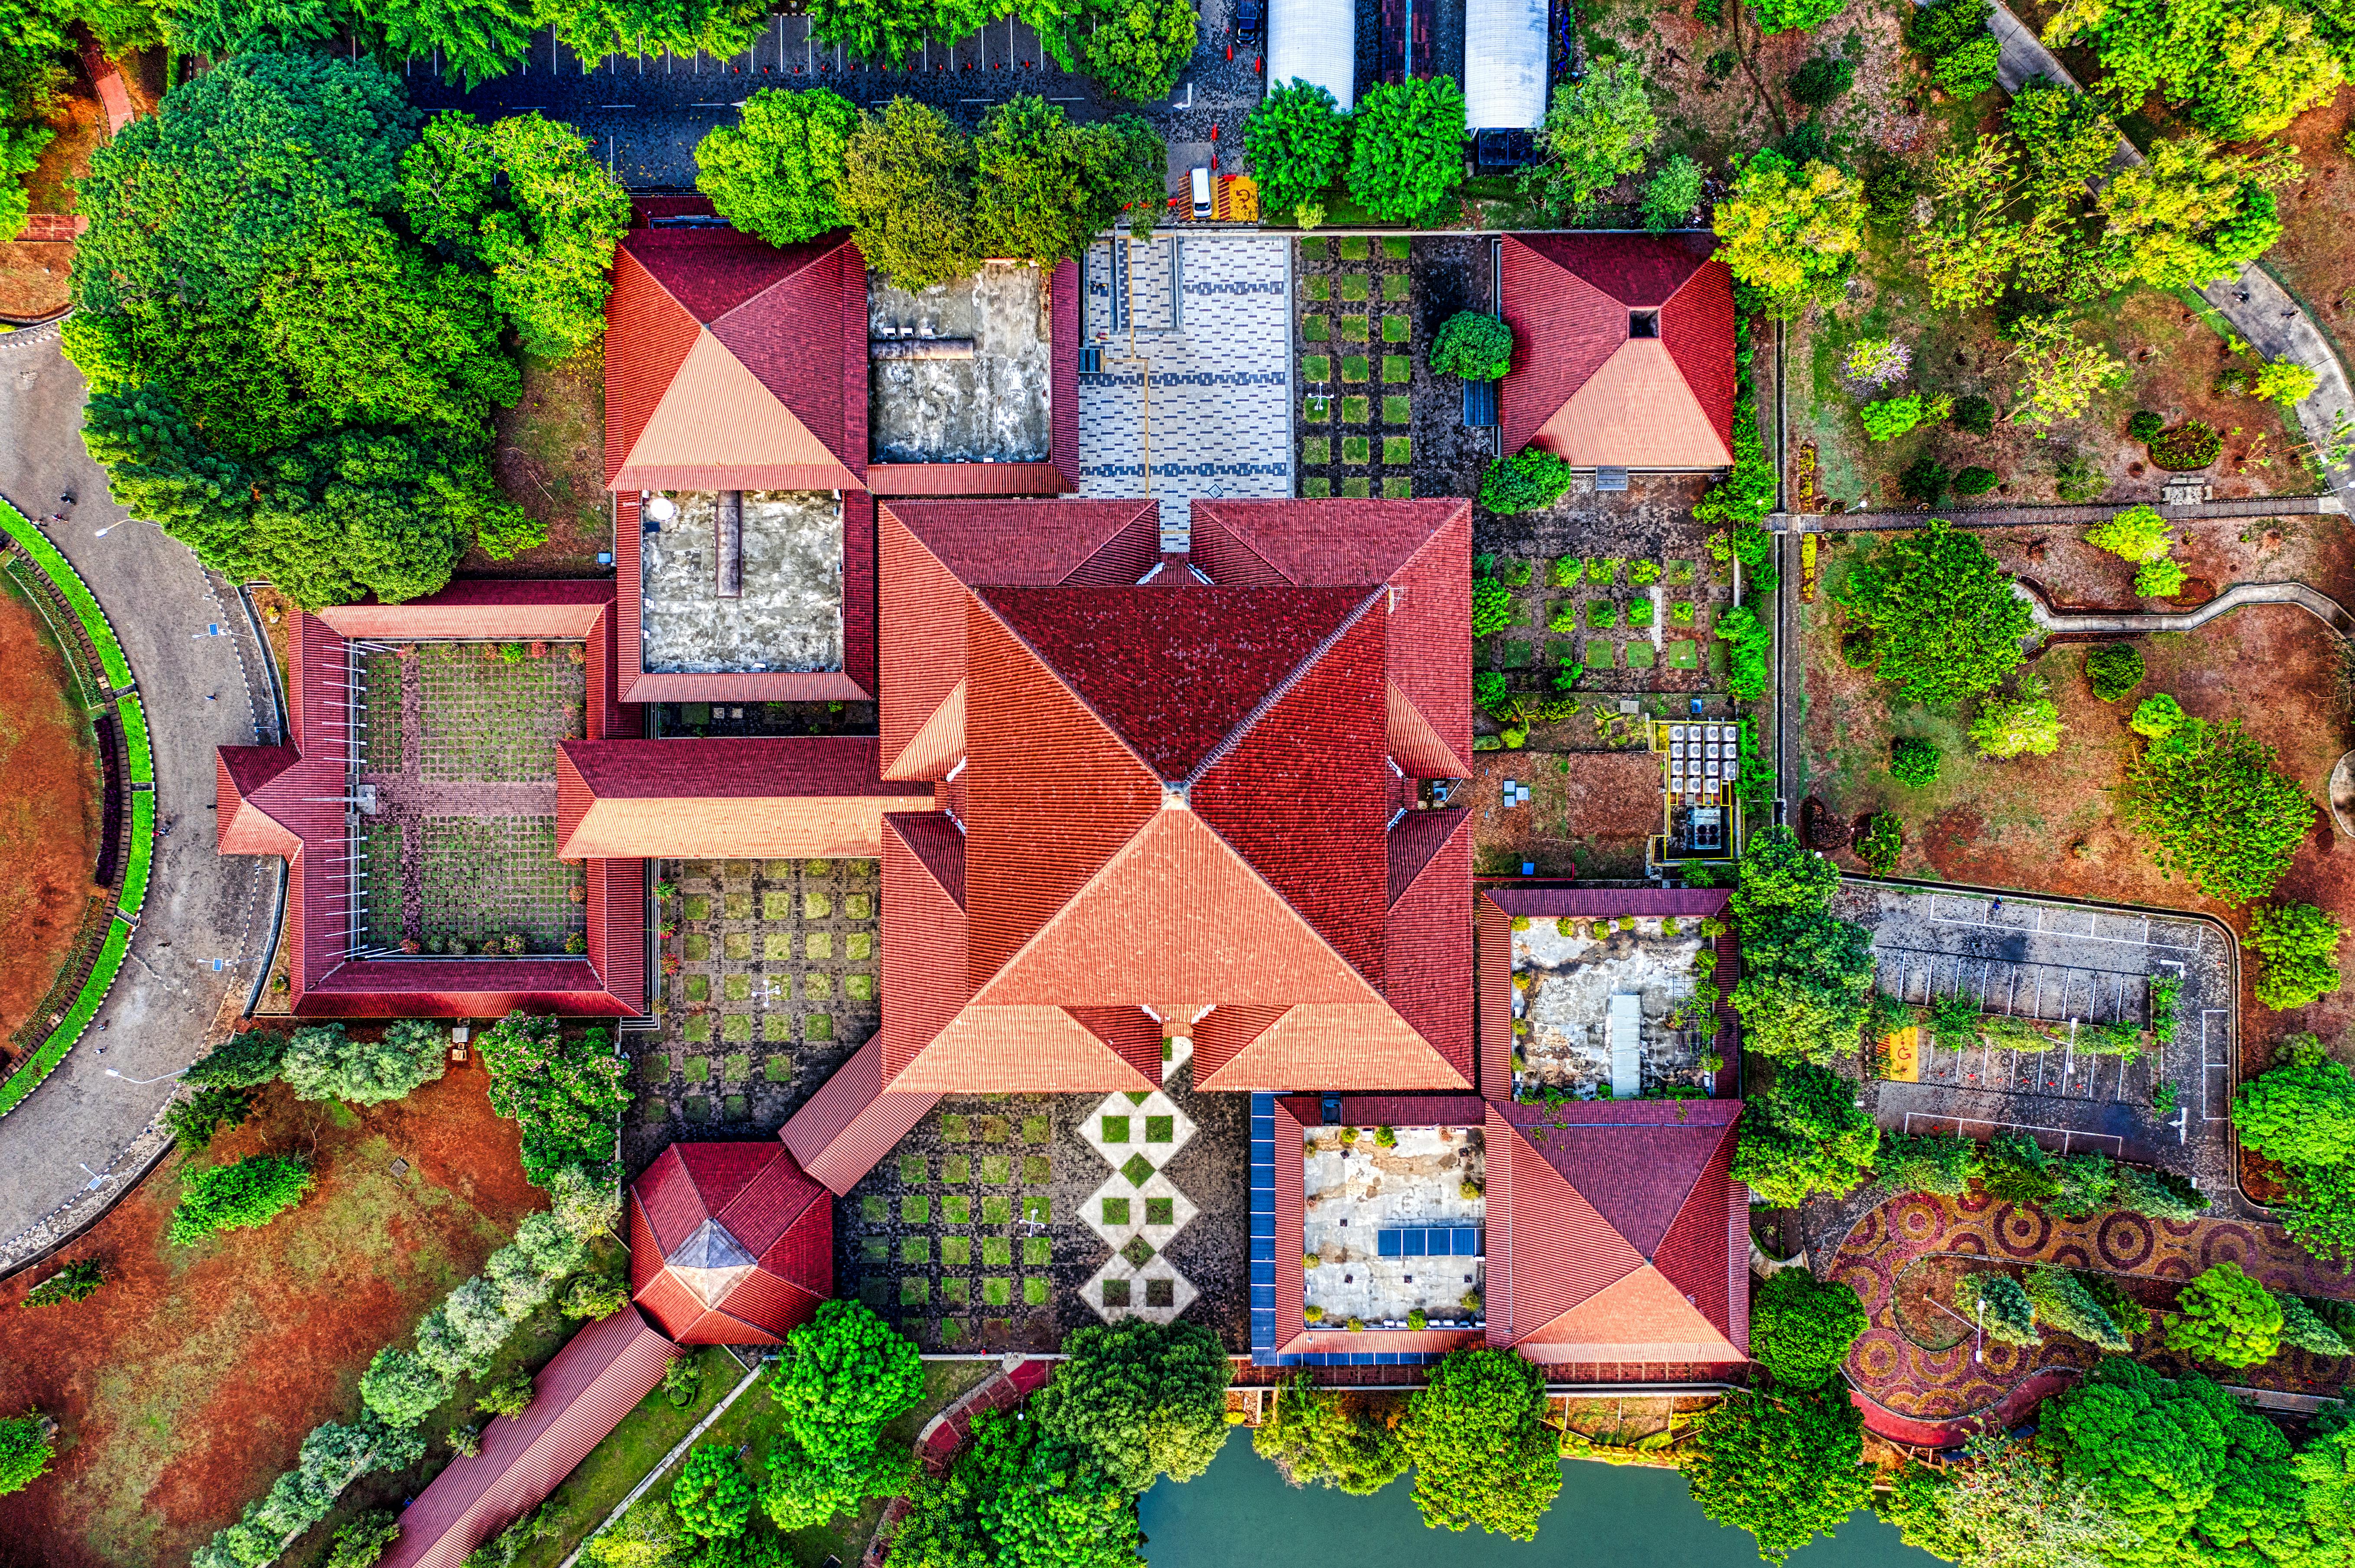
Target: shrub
[2284,381]
[1671,194]
[1529,481]
[26,1449]
[193,1122]
[1314,1438]
[242,1062]
[1801,1326]
[1517,572]
[1474,345]
[252,1192]
[1492,606]
[359,1542]
[2300,1111]
[1974,481]
[2004,729]
[1926,1162]
[75,1281]
[1974,414]
[1882,844]
[1406,153]
[2061,1301]
[2157,717]
[510,1396]
[2113,669]
[322,1062]
[1784,16]
[712,1496]
[2225,1316]
[1856,650]
[400,1388]
[596,1296]
[566,1092]
[2138,533]
[2161,579]
[2214,811]
[1997,1303]
[1748,638]
[2190,445]
[1914,761]
[1642,574]
[2299,944]
[2301,1329]
[2130,1316]
[1821,79]
[1805,1136]
[2076,479]
[2145,426]
[1925,480]
[1889,417]
[1476,1437]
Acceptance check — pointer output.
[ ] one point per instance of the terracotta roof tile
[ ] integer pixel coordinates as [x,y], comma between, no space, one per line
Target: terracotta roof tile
[850,1123]
[513,610]
[1427,937]
[1697,324]
[1637,411]
[1005,544]
[711,271]
[1325,544]
[1640,1317]
[781,798]
[240,827]
[925,934]
[1638,270]
[1361,1046]
[1417,837]
[647,335]
[1037,1048]
[1562,1250]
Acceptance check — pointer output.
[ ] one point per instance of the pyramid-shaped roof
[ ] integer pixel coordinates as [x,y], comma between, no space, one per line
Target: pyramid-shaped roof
[1612,1232]
[730,1244]
[735,364]
[1586,383]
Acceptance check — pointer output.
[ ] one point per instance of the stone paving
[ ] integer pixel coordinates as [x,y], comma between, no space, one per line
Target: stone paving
[1916,1364]
[1210,322]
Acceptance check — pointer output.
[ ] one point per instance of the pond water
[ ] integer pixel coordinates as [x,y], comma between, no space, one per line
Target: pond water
[1239,1514]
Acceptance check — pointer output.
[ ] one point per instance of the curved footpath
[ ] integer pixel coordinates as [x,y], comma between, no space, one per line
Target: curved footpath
[2259,308]
[2142,622]
[79,1140]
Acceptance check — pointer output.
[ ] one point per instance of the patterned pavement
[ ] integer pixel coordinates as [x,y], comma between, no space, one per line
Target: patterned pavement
[1211,316]
[1915,1391]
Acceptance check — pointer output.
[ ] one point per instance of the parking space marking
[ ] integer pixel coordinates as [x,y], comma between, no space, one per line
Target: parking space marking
[2070,1140]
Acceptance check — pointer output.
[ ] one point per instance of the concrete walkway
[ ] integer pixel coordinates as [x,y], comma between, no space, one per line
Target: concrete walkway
[204,685]
[2142,623]
[2259,308]
[2060,516]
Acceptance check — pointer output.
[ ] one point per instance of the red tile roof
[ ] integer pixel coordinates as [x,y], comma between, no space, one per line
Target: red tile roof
[815,795]
[731,1244]
[240,827]
[1661,402]
[578,1399]
[1611,1231]
[552,609]
[852,1121]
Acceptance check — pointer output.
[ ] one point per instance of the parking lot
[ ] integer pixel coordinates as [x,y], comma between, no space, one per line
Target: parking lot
[2067,967]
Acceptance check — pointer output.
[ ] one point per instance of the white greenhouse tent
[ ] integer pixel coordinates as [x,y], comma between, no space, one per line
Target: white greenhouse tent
[1504,64]
[1316,40]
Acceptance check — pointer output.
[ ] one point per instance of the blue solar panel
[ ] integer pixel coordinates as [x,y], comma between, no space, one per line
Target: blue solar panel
[1387,1243]
[1467,1241]
[1415,1243]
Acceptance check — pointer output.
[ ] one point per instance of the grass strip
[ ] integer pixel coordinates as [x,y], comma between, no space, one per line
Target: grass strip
[60,571]
[133,714]
[142,853]
[44,1061]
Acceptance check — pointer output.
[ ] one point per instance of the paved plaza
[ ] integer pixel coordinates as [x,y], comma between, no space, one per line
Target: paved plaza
[2065,967]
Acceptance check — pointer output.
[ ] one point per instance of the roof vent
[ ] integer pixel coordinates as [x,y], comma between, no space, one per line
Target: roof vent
[1610,479]
[1643,323]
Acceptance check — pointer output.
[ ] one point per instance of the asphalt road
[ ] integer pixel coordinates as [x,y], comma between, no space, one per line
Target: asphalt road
[200,907]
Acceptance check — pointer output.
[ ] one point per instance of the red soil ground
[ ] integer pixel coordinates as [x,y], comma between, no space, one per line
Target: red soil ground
[48,809]
[187,1382]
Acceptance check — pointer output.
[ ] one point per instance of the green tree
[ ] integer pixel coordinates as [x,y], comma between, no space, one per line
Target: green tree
[1044,187]
[2302,1110]
[1141,1399]
[1790,230]
[1138,47]
[1530,480]
[2138,533]
[774,172]
[1671,194]
[253,1191]
[1807,976]
[1926,1162]
[401,1389]
[324,1063]
[894,30]
[1914,761]
[1786,1468]
[2028,727]
[2320,1213]
[479,40]
[2214,811]
[1406,149]
[1785,15]
[2148,1192]
[2225,1316]
[1805,1134]
[1492,606]
[2155,717]
[193,1122]
[1999,1306]
[26,1446]
[2062,1302]
[907,188]
[2008,1505]
[2059,371]
[1474,345]
[1017,1497]
[2303,1330]
[1947,626]
[711,1497]
[1319,1438]
[1749,639]
[2299,944]
[359,1542]
[643,29]
[2190,214]
[802,1492]
[1298,139]
[243,1060]
[1596,134]
[1483,1455]
[1801,1326]
[843,1376]
[2242,69]
[566,1090]
[2114,670]
[77,1281]
[21,148]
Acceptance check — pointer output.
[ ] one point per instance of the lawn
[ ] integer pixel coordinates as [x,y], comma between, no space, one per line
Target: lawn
[187,1382]
[751,1424]
[550,458]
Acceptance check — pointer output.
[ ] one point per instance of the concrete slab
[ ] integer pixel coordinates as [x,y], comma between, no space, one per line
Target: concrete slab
[1570,987]
[786,614]
[1355,1192]
[990,406]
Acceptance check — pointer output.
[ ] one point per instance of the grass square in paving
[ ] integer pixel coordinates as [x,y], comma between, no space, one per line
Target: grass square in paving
[1316,489]
[1357,490]
[1316,407]
[1398,489]
[1684,653]
[1601,614]
[1317,449]
[1397,247]
[1355,449]
[1355,367]
[1315,368]
[1398,451]
[1356,411]
[1598,654]
[1395,286]
[1320,288]
[1398,409]
[1356,249]
[1640,655]
[1398,369]
[1356,287]
[380,712]
[1354,328]
[1317,328]
[1395,329]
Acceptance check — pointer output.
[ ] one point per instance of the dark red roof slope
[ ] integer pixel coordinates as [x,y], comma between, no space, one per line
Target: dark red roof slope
[730,1244]
[577,1400]
[780,798]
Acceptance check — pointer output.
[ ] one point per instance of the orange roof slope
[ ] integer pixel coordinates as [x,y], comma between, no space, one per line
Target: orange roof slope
[735,364]
[1584,386]
[1612,1229]
[783,798]
[730,1244]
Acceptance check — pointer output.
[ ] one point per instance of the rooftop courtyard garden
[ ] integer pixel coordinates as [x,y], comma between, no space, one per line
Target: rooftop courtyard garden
[1612,1009]
[1396,1226]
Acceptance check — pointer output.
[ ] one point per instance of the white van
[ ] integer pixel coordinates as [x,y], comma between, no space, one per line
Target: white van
[1201,190]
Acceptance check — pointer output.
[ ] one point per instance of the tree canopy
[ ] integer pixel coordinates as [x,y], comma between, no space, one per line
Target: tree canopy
[1801,1326]
[1474,345]
[775,172]
[2214,811]
[2224,1316]
[1137,47]
[2241,69]
[26,1449]
[252,1191]
[1298,139]
[324,1062]
[1406,151]
[1596,134]
[2301,1111]
[1785,1466]
[2299,944]
[1044,186]
[2008,1505]
[1789,229]
[1483,1455]
[1946,622]
[1807,976]
[843,1376]
[1320,1437]
[1142,1400]
[1805,1134]
[566,1089]
[1017,1497]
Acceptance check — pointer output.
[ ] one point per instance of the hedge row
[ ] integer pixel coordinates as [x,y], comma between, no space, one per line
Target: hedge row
[44,1061]
[141,854]
[132,716]
[47,556]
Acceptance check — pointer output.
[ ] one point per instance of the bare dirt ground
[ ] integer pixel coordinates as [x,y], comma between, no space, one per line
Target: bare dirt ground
[190,1379]
[1588,815]
[49,809]
[2315,550]
[2317,254]
[34,276]
[550,461]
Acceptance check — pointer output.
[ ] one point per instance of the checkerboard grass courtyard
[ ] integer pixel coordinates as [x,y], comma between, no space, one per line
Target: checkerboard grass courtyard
[496,720]
[778,978]
[1357,346]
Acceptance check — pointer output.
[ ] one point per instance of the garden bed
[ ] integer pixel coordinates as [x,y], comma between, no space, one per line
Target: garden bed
[1589,813]
[187,1382]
